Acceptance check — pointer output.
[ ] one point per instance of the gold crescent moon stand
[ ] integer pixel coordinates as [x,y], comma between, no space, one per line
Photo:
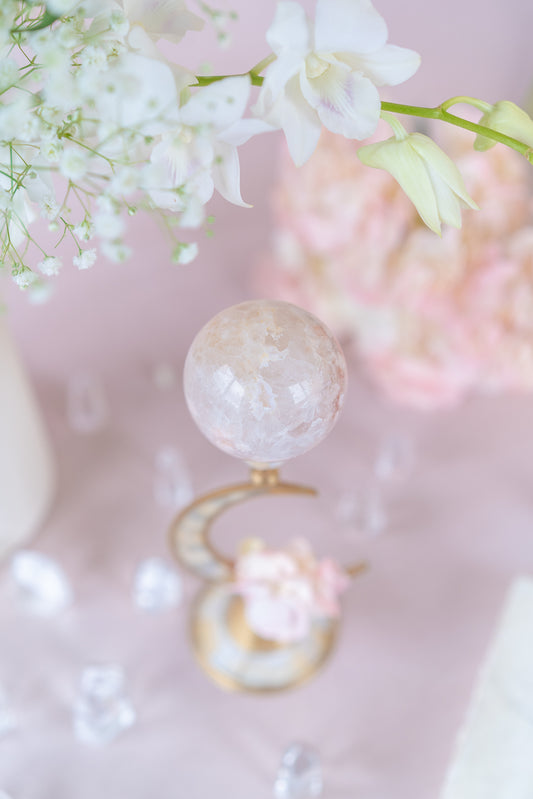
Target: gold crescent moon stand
[225,646]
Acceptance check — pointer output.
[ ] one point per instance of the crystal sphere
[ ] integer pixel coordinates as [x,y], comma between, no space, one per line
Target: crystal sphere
[265,381]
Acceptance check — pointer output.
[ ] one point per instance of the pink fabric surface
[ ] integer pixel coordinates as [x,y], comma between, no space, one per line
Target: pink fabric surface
[385,711]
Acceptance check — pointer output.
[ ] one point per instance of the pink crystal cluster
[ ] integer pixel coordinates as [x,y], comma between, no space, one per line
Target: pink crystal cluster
[285,590]
[432,318]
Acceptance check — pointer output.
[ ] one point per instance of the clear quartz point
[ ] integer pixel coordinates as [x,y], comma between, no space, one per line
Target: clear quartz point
[87,406]
[299,774]
[363,512]
[374,517]
[157,586]
[102,709]
[4,795]
[395,458]
[39,583]
[172,480]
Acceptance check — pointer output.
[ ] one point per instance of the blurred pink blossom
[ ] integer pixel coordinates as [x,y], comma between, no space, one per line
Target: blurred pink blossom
[432,318]
[285,590]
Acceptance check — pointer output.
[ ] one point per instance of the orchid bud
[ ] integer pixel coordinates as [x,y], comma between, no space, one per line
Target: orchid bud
[426,174]
[507,118]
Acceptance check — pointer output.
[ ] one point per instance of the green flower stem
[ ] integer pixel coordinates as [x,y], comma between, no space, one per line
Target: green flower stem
[443,115]
[481,105]
[45,21]
[206,80]
[263,64]
[397,128]
[255,77]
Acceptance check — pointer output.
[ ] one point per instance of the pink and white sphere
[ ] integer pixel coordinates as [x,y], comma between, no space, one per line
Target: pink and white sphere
[265,381]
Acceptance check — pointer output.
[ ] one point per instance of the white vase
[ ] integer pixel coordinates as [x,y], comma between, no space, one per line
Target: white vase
[27,473]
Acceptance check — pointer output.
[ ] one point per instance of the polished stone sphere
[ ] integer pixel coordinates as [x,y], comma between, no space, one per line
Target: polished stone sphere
[265,381]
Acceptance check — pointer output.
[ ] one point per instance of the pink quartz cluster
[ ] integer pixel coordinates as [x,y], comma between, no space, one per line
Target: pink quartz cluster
[285,590]
[432,318]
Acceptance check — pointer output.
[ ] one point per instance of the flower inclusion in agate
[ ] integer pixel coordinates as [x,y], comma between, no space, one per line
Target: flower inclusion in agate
[265,381]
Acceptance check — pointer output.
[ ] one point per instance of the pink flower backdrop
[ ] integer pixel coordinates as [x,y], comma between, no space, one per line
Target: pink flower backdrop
[432,319]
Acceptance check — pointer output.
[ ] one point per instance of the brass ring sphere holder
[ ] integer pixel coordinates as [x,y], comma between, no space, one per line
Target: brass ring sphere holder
[263,380]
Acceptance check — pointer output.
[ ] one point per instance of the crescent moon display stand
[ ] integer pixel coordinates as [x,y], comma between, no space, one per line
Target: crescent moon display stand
[228,650]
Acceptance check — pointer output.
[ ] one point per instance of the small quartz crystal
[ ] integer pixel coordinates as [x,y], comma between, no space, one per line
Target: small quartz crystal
[157,586]
[365,513]
[395,458]
[102,709]
[172,480]
[87,406]
[299,774]
[39,583]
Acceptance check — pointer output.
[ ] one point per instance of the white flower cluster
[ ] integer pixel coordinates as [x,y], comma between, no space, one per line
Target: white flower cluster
[96,123]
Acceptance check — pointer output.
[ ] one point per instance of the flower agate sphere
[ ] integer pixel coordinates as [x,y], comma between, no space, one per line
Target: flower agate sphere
[265,381]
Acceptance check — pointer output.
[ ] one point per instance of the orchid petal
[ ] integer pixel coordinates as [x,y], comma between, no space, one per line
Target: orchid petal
[243,130]
[299,121]
[149,100]
[348,25]
[220,104]
[227,174]
[442,165]
[389,66]
[346,102]
[448,206]
[290,29]
[407,167]
[279,73]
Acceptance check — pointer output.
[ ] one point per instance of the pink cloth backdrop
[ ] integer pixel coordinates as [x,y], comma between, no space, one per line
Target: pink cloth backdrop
[385,711]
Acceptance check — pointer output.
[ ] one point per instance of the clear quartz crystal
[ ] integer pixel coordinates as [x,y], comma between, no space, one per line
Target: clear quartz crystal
[172,480]
[4,795]
[299,774]
[395,458]
[102,709]
[7,717]
[87,406]
[363,512]
[39,583]
[157,586]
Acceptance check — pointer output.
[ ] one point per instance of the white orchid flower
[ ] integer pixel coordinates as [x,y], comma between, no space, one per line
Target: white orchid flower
[162,19]
[426,174]
[201,153]
[139,93]
[327,73]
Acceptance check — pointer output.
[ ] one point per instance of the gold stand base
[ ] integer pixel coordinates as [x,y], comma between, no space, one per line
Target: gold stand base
[239,660]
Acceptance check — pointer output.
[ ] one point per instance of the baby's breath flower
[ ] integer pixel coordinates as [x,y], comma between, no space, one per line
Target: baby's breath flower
[116,251]
[84,231]
[73,164]
[108,226]
[9,73]
[85,259]
[185,253]
[49,207]
[23,276]
[50,265]
[94,58]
